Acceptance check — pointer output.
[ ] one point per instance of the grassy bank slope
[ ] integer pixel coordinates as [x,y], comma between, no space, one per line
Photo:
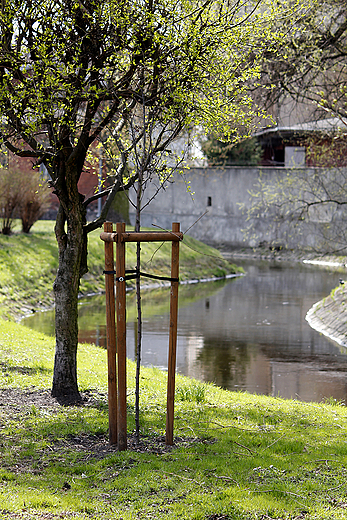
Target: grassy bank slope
[28,264]
[237,456]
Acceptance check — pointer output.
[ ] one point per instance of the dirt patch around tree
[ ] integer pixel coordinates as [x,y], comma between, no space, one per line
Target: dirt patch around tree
[16,403]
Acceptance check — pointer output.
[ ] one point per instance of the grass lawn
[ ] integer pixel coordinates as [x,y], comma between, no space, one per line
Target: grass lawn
[236,455]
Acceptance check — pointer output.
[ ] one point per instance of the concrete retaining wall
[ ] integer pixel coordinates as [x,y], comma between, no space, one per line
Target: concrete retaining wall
[329,316]
[220,191]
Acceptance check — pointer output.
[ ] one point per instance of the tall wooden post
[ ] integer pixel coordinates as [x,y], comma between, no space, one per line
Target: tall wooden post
[172,339]
[121,337]
[111,337]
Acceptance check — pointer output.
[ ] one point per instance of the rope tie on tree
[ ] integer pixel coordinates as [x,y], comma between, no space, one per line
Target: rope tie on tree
[137,274]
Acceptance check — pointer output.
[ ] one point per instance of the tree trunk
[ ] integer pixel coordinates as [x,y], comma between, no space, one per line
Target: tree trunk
[72,242]
[139,311]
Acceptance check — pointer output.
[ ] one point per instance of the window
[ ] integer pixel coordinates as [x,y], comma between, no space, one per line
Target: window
[294,156]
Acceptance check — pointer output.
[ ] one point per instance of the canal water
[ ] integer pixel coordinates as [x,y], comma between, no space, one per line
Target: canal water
[247,333]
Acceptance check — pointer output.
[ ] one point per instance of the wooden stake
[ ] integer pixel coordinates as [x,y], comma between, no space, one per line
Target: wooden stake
[172,339]
[121,338]
[111,338]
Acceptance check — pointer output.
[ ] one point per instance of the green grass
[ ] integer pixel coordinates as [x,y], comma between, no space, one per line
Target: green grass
[236,456]
[28,264]
[243,456]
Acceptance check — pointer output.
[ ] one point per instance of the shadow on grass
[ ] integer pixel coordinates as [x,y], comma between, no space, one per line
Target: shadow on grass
[6,367]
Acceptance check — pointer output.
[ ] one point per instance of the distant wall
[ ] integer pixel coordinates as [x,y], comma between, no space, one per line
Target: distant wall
[220,191]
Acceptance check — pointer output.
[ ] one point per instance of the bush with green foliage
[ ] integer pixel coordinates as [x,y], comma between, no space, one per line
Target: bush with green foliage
[225,153]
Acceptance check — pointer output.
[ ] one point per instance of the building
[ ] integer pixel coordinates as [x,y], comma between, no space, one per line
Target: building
[304,144]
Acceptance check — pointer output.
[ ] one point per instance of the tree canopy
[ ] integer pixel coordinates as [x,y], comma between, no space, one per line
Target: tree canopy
[309,65]
[69,69]
[73,73]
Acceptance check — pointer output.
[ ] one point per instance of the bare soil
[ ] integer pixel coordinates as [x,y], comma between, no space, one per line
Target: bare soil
[16,403]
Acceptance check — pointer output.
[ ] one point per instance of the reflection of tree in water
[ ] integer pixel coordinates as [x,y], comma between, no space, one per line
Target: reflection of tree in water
[96,335]
[224,362]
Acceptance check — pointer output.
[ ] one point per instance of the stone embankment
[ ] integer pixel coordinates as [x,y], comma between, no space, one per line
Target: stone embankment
[329,316]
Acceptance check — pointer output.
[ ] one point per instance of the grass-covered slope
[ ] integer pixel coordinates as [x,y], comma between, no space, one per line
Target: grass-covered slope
[28,265]
[237,456]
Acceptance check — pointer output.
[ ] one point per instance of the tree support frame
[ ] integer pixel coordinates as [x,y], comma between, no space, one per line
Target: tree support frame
[116,337]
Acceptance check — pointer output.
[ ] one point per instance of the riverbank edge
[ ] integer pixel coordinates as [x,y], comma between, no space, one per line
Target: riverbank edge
[327,316]
[144,287]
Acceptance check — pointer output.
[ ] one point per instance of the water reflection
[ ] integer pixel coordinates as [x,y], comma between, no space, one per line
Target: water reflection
[249,333]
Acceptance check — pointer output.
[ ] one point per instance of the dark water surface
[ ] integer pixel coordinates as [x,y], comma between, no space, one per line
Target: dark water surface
[248,333]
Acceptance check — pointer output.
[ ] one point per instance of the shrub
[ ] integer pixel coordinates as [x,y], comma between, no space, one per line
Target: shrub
[9,197]
[35,200]
[24,195]
[222,153]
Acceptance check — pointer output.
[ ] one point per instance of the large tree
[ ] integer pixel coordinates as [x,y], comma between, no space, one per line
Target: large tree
[73,71]
[309,66]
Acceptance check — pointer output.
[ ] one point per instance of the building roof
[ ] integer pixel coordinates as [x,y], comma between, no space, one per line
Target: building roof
[322,125]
